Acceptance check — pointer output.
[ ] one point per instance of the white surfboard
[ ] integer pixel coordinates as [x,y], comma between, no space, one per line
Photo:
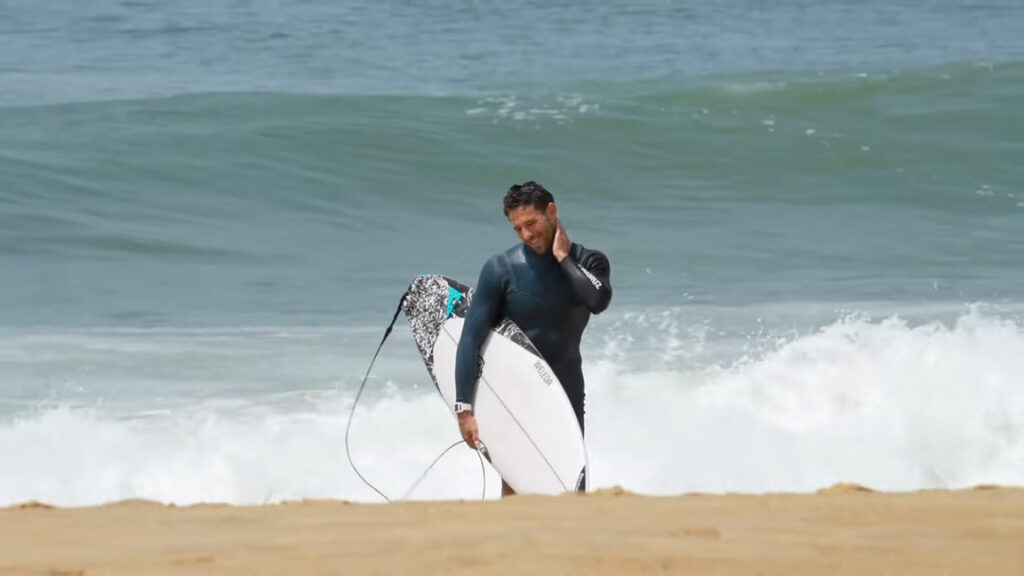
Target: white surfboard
[526,422]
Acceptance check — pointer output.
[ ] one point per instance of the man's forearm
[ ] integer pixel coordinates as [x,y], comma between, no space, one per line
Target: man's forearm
[595,292]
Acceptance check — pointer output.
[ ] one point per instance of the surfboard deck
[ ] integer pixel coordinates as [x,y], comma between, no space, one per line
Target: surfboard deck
[526,422]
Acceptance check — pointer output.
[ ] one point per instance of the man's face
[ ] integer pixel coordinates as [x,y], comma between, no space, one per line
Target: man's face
[535,227]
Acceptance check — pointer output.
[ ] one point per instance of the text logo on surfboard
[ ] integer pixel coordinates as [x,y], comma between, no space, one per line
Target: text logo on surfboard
[544,374]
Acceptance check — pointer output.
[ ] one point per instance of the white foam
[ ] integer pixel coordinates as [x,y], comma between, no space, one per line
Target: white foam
[885,404]
[889,404]
[562,109]
[240,454]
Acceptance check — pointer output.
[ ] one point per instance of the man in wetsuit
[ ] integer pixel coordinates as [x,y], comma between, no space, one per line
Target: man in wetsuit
[548,285]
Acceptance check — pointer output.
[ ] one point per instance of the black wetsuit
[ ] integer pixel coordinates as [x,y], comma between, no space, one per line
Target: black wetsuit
[550,301]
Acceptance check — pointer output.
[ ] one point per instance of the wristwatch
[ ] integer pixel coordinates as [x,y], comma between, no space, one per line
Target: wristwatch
[463,407]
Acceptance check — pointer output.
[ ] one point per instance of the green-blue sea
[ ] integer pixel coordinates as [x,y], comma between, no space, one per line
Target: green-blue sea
[814,213]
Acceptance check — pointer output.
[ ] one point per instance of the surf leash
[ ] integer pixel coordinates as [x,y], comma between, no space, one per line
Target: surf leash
[359,393]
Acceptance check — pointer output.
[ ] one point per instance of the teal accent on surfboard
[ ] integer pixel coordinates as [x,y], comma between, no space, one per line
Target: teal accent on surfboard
[453,297]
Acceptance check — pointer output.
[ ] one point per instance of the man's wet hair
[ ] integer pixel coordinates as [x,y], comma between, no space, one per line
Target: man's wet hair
[527,194]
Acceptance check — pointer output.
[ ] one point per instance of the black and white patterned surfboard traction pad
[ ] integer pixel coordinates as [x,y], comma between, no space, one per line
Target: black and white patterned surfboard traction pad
[431,300]
[434,298]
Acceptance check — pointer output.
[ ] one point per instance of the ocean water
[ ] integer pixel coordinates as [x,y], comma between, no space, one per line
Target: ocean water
[208,212]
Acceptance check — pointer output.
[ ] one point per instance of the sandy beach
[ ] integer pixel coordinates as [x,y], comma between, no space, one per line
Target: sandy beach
[844,529]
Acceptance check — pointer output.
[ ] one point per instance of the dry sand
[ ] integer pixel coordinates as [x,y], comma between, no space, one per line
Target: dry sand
[842,530]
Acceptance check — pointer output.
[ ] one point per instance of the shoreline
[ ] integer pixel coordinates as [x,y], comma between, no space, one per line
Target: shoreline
[844,528]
